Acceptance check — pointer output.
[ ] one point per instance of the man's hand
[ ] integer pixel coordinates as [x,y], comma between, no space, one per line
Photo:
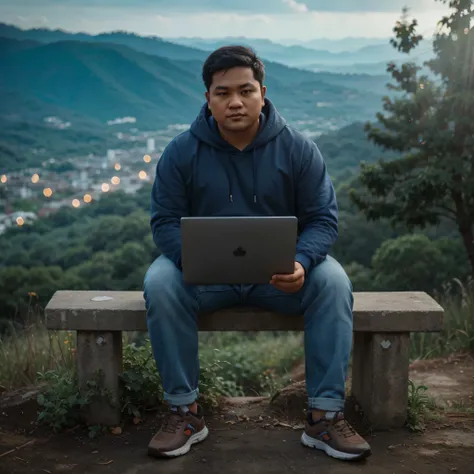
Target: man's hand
[290,283]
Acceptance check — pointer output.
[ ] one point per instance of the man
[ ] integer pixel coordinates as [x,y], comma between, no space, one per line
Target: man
[241,158]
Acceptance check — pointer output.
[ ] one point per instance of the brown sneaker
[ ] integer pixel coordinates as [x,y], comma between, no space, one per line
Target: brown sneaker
[180,430]
[336,438]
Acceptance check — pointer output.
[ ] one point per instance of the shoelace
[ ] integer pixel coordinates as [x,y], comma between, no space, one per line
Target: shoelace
[172,423]
[344,428]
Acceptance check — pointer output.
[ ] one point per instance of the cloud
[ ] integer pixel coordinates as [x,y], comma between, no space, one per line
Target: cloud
[32,20]
[296,7]
[151,17]
[164,7]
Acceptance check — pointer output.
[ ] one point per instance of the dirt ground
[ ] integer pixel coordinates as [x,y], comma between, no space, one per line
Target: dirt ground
[253,436]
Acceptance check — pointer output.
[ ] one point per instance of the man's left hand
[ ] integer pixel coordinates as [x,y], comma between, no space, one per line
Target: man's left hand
[290,283]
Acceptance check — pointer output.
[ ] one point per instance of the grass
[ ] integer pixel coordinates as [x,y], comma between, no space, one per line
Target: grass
[232,363]
[457,299]
[31,350]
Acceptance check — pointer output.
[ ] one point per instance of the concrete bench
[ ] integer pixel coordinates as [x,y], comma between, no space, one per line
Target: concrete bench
[380,360]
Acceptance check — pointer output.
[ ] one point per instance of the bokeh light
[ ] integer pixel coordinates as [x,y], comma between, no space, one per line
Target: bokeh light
[147,158]
[76,202]
[3,179]
[35,178]
[115,180]
[48,192]
[142,174]
[117,167]
[87,198]
[20,221]
[105,187]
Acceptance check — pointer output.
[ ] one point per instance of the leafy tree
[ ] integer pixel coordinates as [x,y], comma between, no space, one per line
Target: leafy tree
[106,233]
[361,277]
[75,256]
[18,284]
[127,258]
[96,273]
[415,262]
[431,124]
[410,262]
[136,226]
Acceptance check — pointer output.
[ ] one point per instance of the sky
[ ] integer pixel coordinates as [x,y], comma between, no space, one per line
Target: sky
[273,19]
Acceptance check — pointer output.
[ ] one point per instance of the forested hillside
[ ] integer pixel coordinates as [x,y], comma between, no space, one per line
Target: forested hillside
[108,245]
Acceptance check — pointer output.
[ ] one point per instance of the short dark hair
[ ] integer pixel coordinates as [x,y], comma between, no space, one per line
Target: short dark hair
[228,57]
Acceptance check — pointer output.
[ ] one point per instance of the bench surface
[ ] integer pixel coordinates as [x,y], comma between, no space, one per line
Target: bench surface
[125,311]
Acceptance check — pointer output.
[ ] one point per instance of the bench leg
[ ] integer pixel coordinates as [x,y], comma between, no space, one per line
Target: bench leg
[101,351]
[380,377]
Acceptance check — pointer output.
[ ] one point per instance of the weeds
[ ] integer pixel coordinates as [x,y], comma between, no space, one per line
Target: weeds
[141,384]
[232,364]
[421,407]
[260,363]
[457,299]
[60,402]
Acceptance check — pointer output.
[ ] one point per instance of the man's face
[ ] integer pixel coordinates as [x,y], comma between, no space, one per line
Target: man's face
[235,99]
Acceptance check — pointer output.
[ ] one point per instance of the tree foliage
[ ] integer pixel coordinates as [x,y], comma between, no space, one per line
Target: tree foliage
[431,124]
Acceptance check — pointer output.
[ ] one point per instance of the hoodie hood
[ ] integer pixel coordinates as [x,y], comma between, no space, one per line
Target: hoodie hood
[204,128]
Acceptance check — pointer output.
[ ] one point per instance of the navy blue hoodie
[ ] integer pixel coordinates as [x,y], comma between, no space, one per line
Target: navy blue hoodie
[281,173]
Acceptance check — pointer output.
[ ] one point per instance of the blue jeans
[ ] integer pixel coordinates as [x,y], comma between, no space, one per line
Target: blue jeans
[325,300]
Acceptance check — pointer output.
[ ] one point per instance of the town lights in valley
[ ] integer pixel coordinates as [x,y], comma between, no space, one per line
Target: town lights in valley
[76,203]
[35,178]
[115,180]
[105,187]
[142,174]
[147,158]
[48,192]
[117,167]
[87,198]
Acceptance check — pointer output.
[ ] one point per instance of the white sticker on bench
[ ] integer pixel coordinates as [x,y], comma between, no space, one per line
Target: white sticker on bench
[385,344]
[101,298]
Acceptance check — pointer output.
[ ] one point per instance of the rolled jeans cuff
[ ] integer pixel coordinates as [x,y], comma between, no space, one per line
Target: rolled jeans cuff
[326,404]
[181,399]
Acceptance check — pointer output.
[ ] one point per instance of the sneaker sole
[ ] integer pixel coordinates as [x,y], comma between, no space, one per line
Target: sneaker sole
[195,438]
[334,453]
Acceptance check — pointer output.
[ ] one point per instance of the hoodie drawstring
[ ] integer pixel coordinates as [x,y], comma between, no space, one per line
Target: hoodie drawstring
[254,168]
[254,175]
[231,198]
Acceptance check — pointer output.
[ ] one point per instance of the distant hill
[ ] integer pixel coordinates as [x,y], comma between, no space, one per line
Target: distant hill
[336,45]
[150,45]
[304,56]
[166,49]
[311,55]
[103,81]
[290,55]
[90,83]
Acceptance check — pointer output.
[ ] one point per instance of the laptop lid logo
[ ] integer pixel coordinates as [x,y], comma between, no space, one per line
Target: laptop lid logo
[240,252]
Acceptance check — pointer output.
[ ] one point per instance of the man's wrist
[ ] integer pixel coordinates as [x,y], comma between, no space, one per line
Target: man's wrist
[304,261]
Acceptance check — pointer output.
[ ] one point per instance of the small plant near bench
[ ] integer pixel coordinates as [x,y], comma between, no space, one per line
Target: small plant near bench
[62,402]
[421,407]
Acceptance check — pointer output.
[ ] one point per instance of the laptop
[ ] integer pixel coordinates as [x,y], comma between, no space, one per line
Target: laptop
[237,250]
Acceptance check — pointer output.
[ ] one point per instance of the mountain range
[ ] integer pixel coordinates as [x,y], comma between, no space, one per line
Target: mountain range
[92,79]
[373,57]
[101,77]
[344,56]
